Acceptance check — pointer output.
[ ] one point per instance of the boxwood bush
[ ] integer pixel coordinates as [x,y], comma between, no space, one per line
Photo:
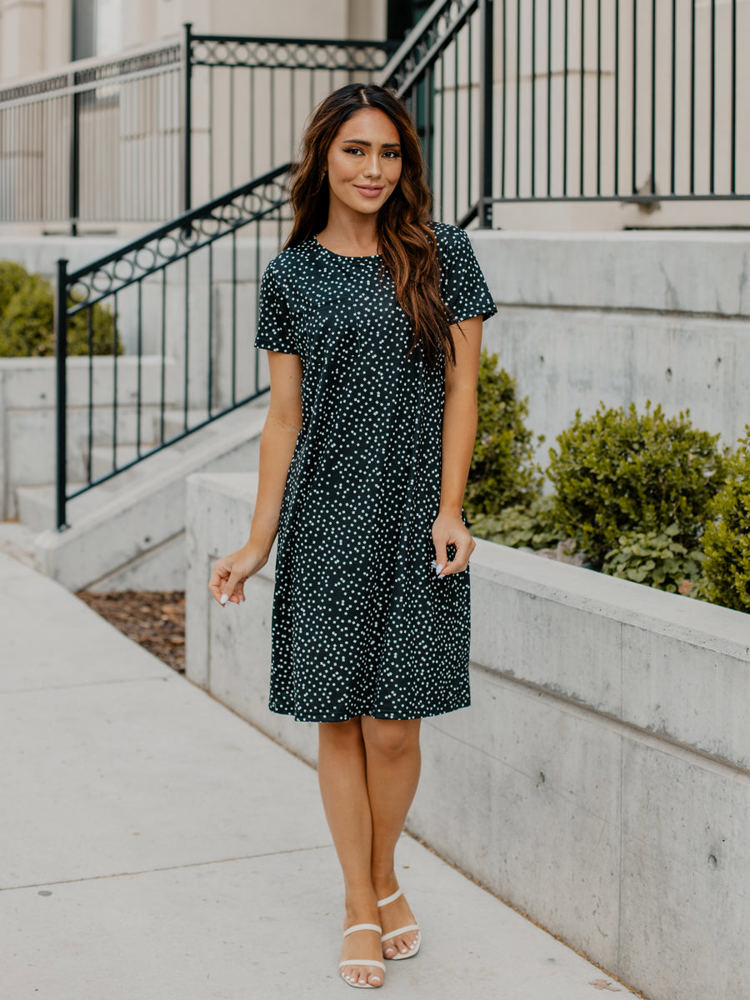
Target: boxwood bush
[502,470]
[620,472]
[27,326]
[726,541]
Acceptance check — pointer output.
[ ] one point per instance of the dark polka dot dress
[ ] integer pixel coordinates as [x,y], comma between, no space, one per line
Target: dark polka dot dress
[361,623]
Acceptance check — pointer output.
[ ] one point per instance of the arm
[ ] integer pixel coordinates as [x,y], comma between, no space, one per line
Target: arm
[459,432]
[277,443]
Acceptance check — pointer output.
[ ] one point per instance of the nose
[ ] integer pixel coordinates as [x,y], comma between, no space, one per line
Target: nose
[372,166]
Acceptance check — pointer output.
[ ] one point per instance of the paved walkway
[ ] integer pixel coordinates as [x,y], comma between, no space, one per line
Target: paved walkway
[157,847]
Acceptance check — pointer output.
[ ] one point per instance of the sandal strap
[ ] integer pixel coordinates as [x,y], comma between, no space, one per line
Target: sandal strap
[362,927]
[363,961]
[391,899]
[399,930]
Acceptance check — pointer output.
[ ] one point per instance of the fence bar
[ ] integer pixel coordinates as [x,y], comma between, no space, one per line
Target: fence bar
[733,139]
[532,123]
[486,16]
[61,402]
[187,119]
[653,96]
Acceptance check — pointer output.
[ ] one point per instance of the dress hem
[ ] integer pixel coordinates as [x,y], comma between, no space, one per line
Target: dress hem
[372,715]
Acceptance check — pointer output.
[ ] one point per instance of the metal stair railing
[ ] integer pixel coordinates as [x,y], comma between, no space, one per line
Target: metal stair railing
[150,295]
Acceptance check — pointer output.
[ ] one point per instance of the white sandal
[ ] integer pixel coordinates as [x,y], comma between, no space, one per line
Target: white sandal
[361,961]
[401,930]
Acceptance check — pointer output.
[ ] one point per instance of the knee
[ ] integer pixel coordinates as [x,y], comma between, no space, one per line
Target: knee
[340,736]
[390,737]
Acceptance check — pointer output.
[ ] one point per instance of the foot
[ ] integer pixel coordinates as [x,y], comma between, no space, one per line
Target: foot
[393,916]
[360,945]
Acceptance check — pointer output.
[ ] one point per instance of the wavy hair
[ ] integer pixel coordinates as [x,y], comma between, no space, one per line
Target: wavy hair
[408,246]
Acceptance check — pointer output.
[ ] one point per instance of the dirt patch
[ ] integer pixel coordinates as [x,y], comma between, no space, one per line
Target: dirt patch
[155,619]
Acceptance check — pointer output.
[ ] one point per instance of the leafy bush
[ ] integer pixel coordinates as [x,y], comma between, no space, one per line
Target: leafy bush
[502,472]
[656,559]
[726,541]
[620,471]
[27,326]
[12,276]
[518,526]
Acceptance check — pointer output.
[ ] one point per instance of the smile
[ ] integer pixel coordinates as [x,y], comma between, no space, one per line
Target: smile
[368,192]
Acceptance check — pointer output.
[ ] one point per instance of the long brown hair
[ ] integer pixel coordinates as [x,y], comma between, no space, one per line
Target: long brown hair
[407,244]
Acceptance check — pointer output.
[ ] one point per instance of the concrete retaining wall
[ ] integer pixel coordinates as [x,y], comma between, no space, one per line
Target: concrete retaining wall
[601,779]
[623,317]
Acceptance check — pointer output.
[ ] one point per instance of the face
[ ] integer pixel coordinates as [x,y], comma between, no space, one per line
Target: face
[364,162]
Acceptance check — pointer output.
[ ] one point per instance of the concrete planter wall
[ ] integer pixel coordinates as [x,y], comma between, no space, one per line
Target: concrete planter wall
[622,317]
[601,779]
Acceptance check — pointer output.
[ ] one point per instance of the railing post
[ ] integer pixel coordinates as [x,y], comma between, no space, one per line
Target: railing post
[74,165]
[486,83]
[187,128]
[61,354]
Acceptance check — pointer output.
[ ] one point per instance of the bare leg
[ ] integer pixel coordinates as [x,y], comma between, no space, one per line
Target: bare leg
[393,763]
[343,788]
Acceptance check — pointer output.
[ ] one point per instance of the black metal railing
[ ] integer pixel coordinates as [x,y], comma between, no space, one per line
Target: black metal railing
[443,73]
[144,137]
[181,301]
[627,100]
[247,100]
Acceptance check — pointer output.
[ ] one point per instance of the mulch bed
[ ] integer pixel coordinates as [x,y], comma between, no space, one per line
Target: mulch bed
[155,619]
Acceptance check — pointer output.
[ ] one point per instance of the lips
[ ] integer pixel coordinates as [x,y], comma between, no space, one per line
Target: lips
[368,191]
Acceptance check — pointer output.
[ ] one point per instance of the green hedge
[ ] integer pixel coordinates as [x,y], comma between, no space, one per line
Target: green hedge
[620,472]
[726,542]
[27,326]
[502,470]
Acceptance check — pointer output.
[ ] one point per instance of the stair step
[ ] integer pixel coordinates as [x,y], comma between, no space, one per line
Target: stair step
[37,504]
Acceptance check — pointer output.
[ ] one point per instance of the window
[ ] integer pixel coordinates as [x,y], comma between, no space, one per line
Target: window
[97,28]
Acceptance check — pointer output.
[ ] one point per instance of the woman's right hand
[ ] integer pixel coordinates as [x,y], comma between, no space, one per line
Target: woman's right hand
[229,573]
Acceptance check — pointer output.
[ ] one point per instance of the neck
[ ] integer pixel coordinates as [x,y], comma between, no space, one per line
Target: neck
[350,232]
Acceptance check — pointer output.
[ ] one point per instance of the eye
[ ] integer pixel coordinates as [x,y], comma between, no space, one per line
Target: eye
[392,154]
[353,149]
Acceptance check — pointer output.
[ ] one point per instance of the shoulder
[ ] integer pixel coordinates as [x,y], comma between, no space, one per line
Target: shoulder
[454,247]
[451,240]
[287,264]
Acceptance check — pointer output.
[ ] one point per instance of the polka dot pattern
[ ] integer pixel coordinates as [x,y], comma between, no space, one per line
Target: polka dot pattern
[361,624]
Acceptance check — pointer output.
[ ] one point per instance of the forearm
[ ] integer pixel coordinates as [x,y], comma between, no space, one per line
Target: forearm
[277,443]
[459,433]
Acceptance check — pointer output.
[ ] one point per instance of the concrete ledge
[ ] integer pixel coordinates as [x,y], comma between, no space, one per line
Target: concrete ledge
[601,779]
[693,272]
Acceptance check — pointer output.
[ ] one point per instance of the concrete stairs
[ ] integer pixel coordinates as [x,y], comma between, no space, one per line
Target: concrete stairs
[128,532]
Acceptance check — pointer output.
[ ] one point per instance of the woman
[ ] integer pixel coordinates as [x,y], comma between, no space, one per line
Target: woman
[372,317]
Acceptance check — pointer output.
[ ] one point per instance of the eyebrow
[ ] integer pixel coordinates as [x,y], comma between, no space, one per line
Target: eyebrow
[364,142]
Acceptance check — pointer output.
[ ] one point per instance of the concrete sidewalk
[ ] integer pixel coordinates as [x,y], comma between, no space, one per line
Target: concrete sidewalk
[157,847]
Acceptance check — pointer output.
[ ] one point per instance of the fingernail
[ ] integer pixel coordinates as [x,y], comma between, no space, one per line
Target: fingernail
[224,598]
[438,566]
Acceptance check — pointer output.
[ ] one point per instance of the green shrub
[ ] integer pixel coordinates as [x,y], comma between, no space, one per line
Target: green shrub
[655,558]
[726,541]
[620,471]
[27,324]
[520,526]
[502,471]
[12,276]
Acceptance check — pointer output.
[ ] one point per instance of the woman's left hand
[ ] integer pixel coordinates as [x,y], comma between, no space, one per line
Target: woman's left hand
[449,529]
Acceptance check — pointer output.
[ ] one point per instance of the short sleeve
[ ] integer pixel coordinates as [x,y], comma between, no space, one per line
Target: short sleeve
[275,329]
[463,286]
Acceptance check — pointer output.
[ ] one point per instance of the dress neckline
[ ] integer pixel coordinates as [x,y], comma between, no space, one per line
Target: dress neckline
[344,256]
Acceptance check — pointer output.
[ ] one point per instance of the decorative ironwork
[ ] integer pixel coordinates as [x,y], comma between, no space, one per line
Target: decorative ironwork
[289,53]
[183,236]
[432,35]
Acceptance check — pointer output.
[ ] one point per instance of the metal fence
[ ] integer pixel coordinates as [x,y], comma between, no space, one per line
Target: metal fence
[168,321]
[144,137]
[580,100]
